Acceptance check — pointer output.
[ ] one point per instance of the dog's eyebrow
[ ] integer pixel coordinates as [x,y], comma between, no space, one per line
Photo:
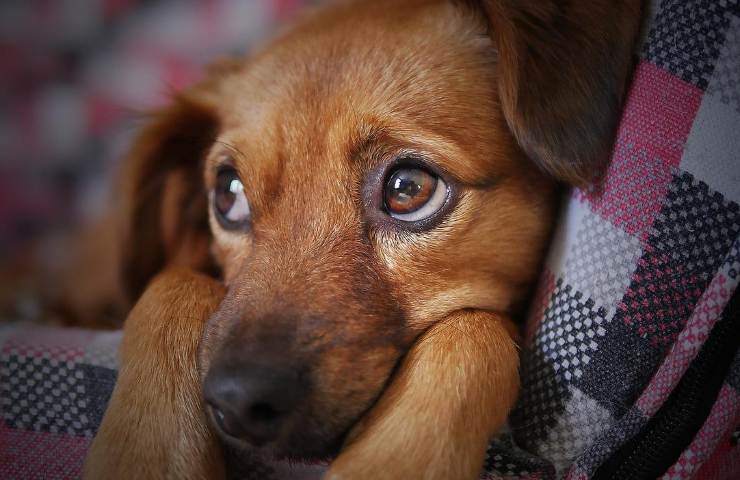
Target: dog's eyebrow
[367,139]
[373,140]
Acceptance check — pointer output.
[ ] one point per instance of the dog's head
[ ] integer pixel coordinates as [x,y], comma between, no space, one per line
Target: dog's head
[380,165]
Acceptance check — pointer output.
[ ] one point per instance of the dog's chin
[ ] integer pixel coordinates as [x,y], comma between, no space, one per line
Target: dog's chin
[304,447]
[296,447]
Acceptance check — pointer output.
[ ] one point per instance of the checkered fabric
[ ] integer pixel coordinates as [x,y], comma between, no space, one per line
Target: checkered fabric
[54,386]
[643,267]
[639,286]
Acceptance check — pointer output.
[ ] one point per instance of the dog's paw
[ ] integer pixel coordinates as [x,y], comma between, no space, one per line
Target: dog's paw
[358,465]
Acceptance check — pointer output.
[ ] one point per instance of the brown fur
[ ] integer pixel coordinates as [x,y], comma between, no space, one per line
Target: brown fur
[155,425]
[563,69]
[453,389]
[325,282]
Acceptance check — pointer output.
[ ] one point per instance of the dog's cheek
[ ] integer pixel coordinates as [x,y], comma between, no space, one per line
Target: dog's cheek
[349,379]
[229,252]
[484,256]
[423,269]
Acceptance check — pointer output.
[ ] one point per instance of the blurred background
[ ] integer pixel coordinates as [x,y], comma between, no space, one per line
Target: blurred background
[75,77]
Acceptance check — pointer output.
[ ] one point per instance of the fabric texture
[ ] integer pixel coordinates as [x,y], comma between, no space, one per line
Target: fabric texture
[639,286]
[642,267]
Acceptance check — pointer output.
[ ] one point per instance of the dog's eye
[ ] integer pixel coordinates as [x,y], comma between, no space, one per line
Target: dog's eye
[413,194]
[229,201]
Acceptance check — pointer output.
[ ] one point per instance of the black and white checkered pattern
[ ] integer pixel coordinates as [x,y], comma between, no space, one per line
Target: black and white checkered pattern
[726,79]
[541,401]
[570,331]
[583,420]
[601,262]
[504,459]
[686,37]
[48,394]
[44,395]
[619,369]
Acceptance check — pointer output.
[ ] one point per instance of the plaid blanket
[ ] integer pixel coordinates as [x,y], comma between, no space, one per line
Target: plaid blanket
[636,322]
[631,366]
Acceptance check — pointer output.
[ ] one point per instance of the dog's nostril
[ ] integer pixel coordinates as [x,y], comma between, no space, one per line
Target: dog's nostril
[219,416]
[229,425]
[263,412]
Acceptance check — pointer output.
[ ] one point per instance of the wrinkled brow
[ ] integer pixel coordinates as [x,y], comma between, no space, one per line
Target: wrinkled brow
[366,143]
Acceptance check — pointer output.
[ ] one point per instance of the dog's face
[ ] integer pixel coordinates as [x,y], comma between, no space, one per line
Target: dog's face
[363,180]
[361,188]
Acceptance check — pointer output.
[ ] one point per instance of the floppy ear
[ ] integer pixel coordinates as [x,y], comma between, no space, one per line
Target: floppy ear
[563,67]
[165,210]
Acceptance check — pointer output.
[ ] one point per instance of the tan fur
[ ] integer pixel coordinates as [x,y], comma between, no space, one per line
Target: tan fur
[322,279]
[155,426]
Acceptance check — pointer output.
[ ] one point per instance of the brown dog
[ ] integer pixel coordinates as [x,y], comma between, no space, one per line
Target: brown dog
[375,189]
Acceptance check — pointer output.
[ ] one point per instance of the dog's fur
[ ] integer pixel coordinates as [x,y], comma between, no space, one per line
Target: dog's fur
[406,335]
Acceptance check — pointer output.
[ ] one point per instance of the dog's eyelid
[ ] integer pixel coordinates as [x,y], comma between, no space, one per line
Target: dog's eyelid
[486,184]
[228,150]
[222,160]
[367,144]
[429,161]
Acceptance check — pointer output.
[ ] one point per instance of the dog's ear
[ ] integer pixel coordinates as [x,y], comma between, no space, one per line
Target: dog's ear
[165,209]
[563,67]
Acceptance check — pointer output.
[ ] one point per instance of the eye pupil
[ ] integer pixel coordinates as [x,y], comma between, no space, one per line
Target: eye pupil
[406,187]
[409,189]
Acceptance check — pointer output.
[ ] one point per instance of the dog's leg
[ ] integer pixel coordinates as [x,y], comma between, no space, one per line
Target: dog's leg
[452,392]
[155,426]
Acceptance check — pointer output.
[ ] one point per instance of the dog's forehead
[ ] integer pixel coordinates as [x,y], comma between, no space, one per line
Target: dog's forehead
[423,74]
[425,64]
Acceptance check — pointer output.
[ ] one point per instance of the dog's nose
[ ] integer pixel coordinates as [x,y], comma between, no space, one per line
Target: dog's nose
[252,403]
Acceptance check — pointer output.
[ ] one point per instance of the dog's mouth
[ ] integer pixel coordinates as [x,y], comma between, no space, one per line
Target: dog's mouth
[297,397]
[305,434]
[311,440]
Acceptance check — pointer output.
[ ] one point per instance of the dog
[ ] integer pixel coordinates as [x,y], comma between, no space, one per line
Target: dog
[335,236]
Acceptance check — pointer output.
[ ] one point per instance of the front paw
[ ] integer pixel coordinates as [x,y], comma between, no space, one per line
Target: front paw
[356,469]
[155,426]
[393,457]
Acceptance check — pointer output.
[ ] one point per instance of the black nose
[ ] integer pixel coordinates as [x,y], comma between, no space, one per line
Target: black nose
[252,403]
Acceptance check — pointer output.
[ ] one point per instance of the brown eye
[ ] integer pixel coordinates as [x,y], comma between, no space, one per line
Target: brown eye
[413,194]
[229,201]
